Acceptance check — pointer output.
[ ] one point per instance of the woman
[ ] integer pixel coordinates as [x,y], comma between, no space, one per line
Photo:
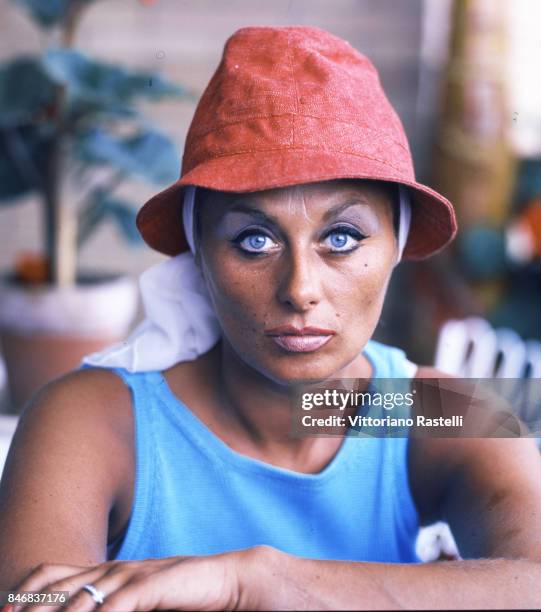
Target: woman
[177,452]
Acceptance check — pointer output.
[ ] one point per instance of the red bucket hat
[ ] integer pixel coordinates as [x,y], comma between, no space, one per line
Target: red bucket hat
[291,105]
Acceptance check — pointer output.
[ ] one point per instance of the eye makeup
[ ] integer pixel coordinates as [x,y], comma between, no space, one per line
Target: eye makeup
[355,212]
[349,239]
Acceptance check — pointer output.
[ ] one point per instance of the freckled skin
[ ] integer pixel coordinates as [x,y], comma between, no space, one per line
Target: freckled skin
[299,281]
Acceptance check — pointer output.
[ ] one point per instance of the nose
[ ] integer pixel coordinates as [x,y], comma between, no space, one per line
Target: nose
[300,287]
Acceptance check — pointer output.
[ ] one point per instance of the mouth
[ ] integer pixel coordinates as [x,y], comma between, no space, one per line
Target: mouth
[301,343]
[300,340]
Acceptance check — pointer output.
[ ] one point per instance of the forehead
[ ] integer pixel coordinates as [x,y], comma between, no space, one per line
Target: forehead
[316,197]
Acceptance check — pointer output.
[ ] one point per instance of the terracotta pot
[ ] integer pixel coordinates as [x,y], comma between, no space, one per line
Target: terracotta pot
[46,331]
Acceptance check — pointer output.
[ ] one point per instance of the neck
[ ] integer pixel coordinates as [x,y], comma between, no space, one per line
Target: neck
[259,410]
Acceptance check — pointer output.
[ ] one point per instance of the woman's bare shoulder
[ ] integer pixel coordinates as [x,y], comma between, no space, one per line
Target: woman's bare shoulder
[98,383]
[86,410]
[72,444]
[97,396]
[89,408]
[80,385]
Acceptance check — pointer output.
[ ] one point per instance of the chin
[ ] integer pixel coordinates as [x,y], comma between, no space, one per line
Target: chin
[292,369]
[310,369]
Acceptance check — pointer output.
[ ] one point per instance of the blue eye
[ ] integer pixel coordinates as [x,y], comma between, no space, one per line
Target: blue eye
[343,239]
[252,241]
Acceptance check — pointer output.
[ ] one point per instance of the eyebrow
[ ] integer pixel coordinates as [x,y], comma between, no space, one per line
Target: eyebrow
[332,212]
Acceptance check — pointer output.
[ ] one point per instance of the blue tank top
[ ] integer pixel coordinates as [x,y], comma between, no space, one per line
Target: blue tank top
[194,495]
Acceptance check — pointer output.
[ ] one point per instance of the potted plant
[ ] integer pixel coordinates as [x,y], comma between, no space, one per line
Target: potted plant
[70,133]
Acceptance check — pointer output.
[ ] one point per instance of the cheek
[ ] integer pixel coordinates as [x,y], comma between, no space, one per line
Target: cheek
[359,308]
[238,292]
[364,282]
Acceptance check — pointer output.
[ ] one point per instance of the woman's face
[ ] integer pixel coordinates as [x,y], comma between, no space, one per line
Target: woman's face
[319,255]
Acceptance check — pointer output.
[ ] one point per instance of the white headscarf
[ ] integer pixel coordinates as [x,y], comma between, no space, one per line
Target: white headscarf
[180,323]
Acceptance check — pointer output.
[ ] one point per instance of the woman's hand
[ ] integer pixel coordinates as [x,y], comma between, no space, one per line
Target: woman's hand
[213,582]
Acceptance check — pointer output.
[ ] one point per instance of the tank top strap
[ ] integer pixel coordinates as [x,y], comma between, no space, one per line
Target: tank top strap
[142,387]
[391,380]
[388,361]
[392,373]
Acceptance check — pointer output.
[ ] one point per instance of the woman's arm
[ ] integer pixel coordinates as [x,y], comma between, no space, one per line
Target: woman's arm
[493,503]
[279,581]
[62,475]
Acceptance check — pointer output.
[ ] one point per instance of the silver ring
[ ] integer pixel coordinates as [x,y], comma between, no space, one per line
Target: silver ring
[97,595]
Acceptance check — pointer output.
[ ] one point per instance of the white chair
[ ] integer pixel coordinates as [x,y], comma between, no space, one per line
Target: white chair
[471,348]
[8,424]
[3,375]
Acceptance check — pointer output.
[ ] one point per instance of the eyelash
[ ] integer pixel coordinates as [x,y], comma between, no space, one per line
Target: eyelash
[341,229]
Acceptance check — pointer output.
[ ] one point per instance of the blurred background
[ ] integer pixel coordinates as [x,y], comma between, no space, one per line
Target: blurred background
[96,97]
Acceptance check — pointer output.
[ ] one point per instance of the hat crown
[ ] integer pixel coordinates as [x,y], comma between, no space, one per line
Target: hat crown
[288,106]
[287,87]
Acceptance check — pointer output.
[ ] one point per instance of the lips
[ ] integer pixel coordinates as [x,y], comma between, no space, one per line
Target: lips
[301,344]
[290,330]
[300,340]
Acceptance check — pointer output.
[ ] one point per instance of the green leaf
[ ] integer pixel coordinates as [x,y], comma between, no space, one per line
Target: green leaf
[104,84]
[124,214]
[25,91]
[149,155]
[23,159]
[80,111]
[90,216]
[100,207]
[47,13]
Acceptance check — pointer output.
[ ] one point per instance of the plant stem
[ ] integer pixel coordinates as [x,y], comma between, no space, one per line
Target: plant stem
[92,212]
[60,217]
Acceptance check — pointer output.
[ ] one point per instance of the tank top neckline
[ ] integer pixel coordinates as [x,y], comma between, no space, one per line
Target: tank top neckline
[211,443]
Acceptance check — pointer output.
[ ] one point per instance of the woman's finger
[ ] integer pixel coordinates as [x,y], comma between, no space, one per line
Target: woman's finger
[83,600]
[74,584]
[42,576]
[168,583]
[110,581]
[106,577]
[194,584]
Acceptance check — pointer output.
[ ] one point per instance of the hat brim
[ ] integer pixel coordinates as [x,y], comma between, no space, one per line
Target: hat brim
[433,220]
